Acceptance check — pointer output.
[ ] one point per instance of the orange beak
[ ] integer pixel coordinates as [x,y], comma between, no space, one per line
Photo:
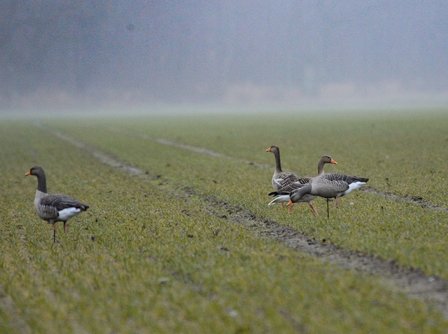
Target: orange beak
[333,162]
[28,173]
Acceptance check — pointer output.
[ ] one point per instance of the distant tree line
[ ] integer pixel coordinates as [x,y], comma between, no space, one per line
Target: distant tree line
[176,50]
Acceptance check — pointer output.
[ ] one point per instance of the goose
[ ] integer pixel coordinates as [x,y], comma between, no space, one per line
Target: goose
[280,178]
[53,208]
[282,194]
[328,186]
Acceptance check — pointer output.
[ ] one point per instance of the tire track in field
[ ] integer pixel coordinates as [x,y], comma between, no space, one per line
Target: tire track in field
[417,200]
[410,281]
[410,199]
[191,148]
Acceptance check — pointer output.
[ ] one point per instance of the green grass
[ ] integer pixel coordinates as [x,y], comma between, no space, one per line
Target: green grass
[144,259]
[412,235]
[393,150]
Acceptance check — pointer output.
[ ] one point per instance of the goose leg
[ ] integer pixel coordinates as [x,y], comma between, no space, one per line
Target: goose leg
[290,205]
[313,209]
[328,208]
[336,202]
[65,227]
[54,232]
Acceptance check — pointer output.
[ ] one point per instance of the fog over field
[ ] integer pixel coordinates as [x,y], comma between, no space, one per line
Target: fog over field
[253,52]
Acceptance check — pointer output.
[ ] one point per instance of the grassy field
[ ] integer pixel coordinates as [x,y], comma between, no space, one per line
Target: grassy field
[149,256]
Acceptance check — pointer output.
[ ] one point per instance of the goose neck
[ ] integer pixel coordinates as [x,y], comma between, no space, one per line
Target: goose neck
[320,167]
[41,182]
[278,164]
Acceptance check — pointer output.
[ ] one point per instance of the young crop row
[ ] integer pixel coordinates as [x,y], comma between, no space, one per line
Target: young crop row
[407,233]
[146,258]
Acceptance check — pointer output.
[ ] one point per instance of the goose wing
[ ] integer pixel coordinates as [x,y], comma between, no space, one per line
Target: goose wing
[61,202]
[329,185]
[349,179]
[284,178]
[290,185]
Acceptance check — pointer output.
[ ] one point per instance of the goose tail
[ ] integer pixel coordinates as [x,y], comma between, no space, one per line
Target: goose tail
[279,199]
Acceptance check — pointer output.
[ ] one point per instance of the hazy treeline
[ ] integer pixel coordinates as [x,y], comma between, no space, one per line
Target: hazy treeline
[211,50]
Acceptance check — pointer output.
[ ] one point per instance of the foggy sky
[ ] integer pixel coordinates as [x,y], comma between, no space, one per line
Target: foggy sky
[219,51]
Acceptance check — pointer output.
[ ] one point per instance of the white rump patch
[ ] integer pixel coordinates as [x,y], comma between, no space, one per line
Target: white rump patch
[354,186]
[68,213]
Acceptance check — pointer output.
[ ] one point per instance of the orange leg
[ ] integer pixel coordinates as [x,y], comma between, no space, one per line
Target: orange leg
[313,209]
[290,205]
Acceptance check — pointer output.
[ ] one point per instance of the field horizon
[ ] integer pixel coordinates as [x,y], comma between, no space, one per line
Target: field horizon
[179,236]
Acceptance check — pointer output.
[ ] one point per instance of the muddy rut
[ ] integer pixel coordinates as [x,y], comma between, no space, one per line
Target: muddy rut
[410,281]
[411,199]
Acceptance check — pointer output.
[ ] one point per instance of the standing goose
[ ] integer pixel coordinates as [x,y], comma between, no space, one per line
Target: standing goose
[53,208]
[328,186]
[280,178]
[282,194]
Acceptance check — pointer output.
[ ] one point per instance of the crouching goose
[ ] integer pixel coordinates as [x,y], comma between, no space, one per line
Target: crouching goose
[280,178]
[328,186]
[282,194]
[53,208]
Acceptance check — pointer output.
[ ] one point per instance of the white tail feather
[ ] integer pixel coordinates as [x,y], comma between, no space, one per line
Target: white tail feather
[67,213]
[279,199]
[354,186]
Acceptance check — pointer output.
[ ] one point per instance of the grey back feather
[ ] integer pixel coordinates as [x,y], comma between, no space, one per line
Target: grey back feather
[48,206]
[329,185]
[61,202]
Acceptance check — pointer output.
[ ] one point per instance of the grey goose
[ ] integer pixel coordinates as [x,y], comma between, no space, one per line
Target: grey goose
[282,194]
[280,178]
[53,208]
[328,186]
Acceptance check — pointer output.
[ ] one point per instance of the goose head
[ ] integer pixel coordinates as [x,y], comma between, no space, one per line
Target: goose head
[326,159]
[41,180]
[36,171]
[272,149]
